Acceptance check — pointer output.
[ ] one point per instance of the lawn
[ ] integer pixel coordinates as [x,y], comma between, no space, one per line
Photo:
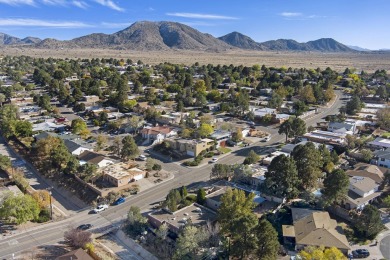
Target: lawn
[224,150]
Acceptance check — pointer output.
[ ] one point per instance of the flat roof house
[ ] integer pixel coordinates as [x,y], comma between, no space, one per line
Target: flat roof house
[326,137]
[121,174]
[190,147]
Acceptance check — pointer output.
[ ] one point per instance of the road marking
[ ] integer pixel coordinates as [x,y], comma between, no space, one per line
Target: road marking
[13,242]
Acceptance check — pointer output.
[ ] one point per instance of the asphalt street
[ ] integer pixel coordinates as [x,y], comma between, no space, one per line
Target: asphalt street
[66,205]
[53,232]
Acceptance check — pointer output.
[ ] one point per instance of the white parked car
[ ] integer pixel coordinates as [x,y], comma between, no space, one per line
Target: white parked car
[142,157]
[100,208]
[214,160]
[266,139]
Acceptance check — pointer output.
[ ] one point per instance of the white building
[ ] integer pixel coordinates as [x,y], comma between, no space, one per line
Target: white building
[362,191]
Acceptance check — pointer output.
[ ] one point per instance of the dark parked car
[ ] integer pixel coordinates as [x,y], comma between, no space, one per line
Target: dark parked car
[119,201]
[360,253]
[84,226]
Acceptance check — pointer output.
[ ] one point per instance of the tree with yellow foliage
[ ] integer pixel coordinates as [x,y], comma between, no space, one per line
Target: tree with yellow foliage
[42,197]
[320,253]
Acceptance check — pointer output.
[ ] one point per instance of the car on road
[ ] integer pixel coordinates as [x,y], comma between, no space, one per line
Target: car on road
[214,160]
[100,208]
[84,227]
[119,201]
[142,157]
[266,139]
[360,253]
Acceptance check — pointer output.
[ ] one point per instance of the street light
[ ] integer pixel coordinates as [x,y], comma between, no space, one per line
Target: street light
[51,206]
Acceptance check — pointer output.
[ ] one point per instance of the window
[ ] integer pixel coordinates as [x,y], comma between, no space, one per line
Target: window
[382,159]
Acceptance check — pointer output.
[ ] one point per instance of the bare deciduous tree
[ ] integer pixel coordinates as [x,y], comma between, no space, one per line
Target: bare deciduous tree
[77,238]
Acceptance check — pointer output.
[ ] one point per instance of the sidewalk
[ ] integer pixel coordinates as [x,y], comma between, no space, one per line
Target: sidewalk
[133,246]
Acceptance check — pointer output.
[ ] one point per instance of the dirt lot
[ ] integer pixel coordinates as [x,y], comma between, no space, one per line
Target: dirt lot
[339,61]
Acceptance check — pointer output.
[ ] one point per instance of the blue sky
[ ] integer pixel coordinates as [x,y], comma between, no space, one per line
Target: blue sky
[353,22]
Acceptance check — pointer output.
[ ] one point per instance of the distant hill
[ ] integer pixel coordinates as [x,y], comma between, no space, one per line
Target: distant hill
[323,45]
[146,35]
[357,48]
[241,41]
[6,39]
[328,45]
[154,36]
[284,45]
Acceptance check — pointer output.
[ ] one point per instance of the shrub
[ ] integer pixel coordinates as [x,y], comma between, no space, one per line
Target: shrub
[191,163]
[209,154]
[44,216]
[89,247]
[157,167]
[191,197]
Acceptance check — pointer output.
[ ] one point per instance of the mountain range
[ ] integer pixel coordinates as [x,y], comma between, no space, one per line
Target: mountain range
[147,36]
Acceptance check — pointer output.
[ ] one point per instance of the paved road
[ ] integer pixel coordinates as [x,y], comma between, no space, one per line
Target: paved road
[385,247]
[61,201]
[53,232]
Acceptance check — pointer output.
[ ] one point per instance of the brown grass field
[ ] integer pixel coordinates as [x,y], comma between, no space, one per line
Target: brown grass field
[339,61]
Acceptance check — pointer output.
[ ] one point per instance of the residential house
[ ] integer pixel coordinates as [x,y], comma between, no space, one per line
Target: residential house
[258,176]
[382,158]
[190,147]
[326,137]
[267,160]
[22,101]
[90,100]
[362,191]
[197,214]
[279,118]
[262,112]
[368,170]
[288,148]
[266,91]
[94,158]
[172,118]
[214,107]
[221,137]
[72,78]
[314,228]
[214,195]
[75,147]
[48,126]
[78,254]
[121,174]
[141,107]
[379,143]
[348,127]
[213,199]
[157,134]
